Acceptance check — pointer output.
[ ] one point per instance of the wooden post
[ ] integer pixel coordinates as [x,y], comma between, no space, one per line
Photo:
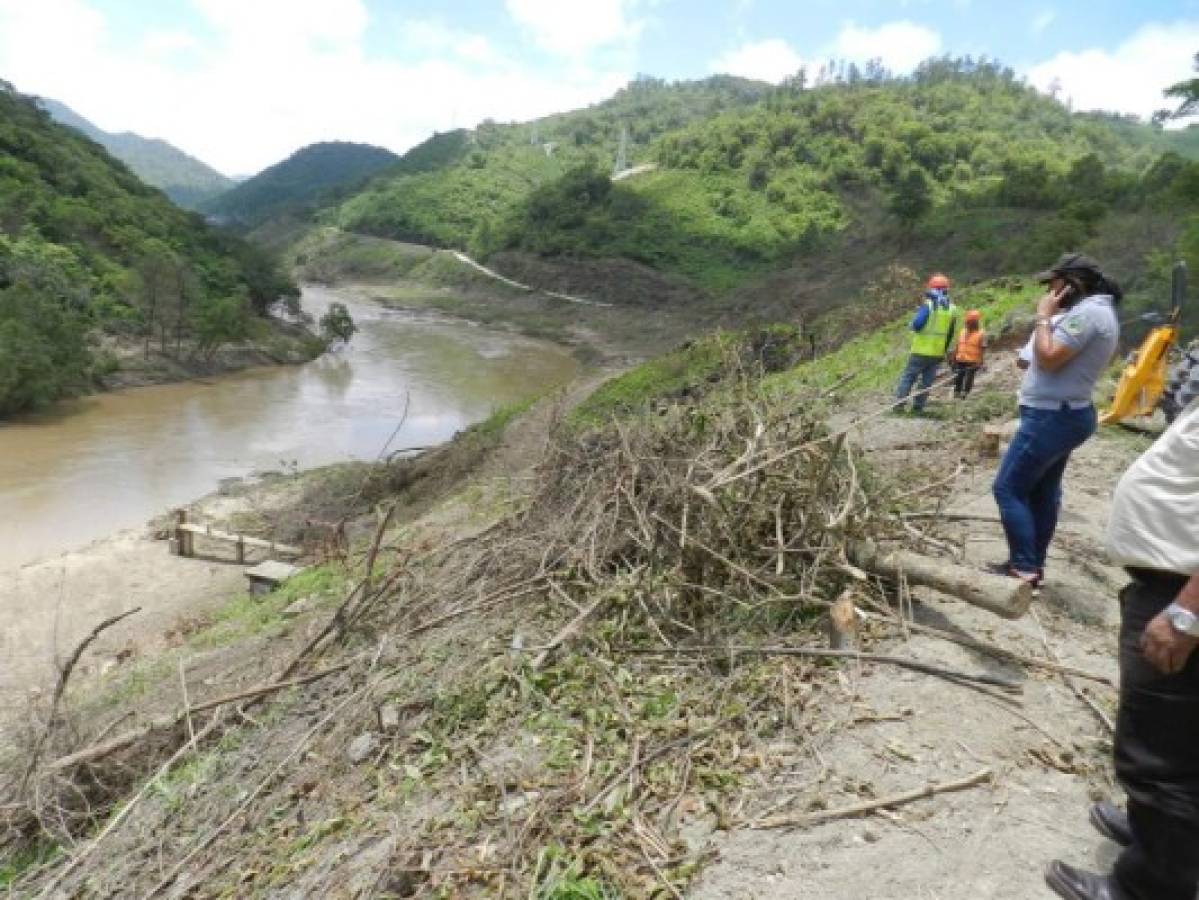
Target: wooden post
[241,550]
[179,544]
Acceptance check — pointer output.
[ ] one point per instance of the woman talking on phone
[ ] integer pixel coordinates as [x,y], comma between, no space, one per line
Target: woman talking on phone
[1073,340]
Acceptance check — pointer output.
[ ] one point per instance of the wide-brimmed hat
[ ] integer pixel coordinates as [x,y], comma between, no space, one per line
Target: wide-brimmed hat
[1070,264]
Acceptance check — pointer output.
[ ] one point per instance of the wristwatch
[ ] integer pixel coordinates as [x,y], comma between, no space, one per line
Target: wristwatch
[1183,620]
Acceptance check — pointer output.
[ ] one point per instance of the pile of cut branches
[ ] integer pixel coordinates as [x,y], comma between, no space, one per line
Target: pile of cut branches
[731,507]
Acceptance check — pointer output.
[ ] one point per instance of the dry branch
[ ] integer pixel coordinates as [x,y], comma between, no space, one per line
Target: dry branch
[1003,653]
[60,688]
[129,738]
[571,630]
[858,809]
[903,662]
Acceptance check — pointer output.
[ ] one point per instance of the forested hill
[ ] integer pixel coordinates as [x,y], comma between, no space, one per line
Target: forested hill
[961,158]
[86,247]
[308,175]
[459,188]
[183,178]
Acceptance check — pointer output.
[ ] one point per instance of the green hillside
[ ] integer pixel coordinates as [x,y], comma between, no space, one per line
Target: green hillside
[85,246]
[457,188]
[309,175]
[183,178]
[752,180]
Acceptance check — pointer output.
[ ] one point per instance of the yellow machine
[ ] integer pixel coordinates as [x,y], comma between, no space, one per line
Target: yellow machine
[1142,385]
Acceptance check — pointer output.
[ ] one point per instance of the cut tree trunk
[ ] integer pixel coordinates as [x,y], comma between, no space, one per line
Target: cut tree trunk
[1006,597]
[843,623]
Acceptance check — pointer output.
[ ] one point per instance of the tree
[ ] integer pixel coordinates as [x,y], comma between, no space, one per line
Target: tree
[220,321]
[186,291]
[155,281]
[1187,92]
[336,324]
[912,197]
[43,337]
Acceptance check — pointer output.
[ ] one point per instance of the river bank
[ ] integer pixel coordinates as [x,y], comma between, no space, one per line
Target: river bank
[273,342]
[610,313]
[48,606]
[407,379]
[198,606]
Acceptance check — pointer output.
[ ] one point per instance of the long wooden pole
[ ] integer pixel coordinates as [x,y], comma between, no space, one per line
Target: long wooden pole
[859,809]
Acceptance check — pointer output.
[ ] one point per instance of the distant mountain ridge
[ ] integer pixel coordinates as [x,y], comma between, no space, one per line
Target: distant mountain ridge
[310,175]
[185,179]
[742,183]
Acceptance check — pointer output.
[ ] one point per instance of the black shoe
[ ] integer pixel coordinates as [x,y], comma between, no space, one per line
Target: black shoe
[1077,884]
[1111,822]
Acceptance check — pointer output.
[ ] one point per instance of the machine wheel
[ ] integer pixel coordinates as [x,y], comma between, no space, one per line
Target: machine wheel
[1183,384]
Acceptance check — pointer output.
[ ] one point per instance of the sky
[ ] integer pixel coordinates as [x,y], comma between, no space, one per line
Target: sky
[242,84]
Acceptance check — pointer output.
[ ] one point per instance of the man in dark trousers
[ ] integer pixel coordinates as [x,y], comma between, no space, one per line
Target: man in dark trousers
[933,329]
[1154,533]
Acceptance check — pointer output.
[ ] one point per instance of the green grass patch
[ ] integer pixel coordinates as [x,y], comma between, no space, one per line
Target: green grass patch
[665,376]
[247,616]
[874,361]
[12,869]
[495,424]
[565,880]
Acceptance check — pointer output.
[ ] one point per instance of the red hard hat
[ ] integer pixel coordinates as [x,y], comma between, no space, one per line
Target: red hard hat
[937,280]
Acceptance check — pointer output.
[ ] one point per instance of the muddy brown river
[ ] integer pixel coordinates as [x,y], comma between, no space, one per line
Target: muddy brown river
[112,461]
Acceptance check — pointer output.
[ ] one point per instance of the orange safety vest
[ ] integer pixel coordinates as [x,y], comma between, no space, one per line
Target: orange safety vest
[970,347]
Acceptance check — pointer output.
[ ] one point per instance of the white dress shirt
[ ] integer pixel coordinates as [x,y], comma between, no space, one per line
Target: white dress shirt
[1155,509]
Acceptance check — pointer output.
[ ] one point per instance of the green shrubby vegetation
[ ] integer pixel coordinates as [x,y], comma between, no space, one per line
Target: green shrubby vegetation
[752,178]
[86,246]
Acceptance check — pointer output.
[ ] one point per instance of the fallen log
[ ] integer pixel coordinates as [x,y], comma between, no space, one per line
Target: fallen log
[1006,597]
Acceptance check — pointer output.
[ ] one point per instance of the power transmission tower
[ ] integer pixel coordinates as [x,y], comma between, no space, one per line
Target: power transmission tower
[622,155]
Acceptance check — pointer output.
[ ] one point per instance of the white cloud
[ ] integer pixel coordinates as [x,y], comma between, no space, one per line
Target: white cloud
[279,75]
[287,23]
[431,38]
[1043,20]
[901,45]
[167,44]
[770,60]
[572,29]
[1129,78]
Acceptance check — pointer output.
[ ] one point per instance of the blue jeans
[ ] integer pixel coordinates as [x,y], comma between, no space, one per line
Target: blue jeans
[1028,485]
[924,368]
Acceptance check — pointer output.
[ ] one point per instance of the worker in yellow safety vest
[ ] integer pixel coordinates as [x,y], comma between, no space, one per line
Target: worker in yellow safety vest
[933,329]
